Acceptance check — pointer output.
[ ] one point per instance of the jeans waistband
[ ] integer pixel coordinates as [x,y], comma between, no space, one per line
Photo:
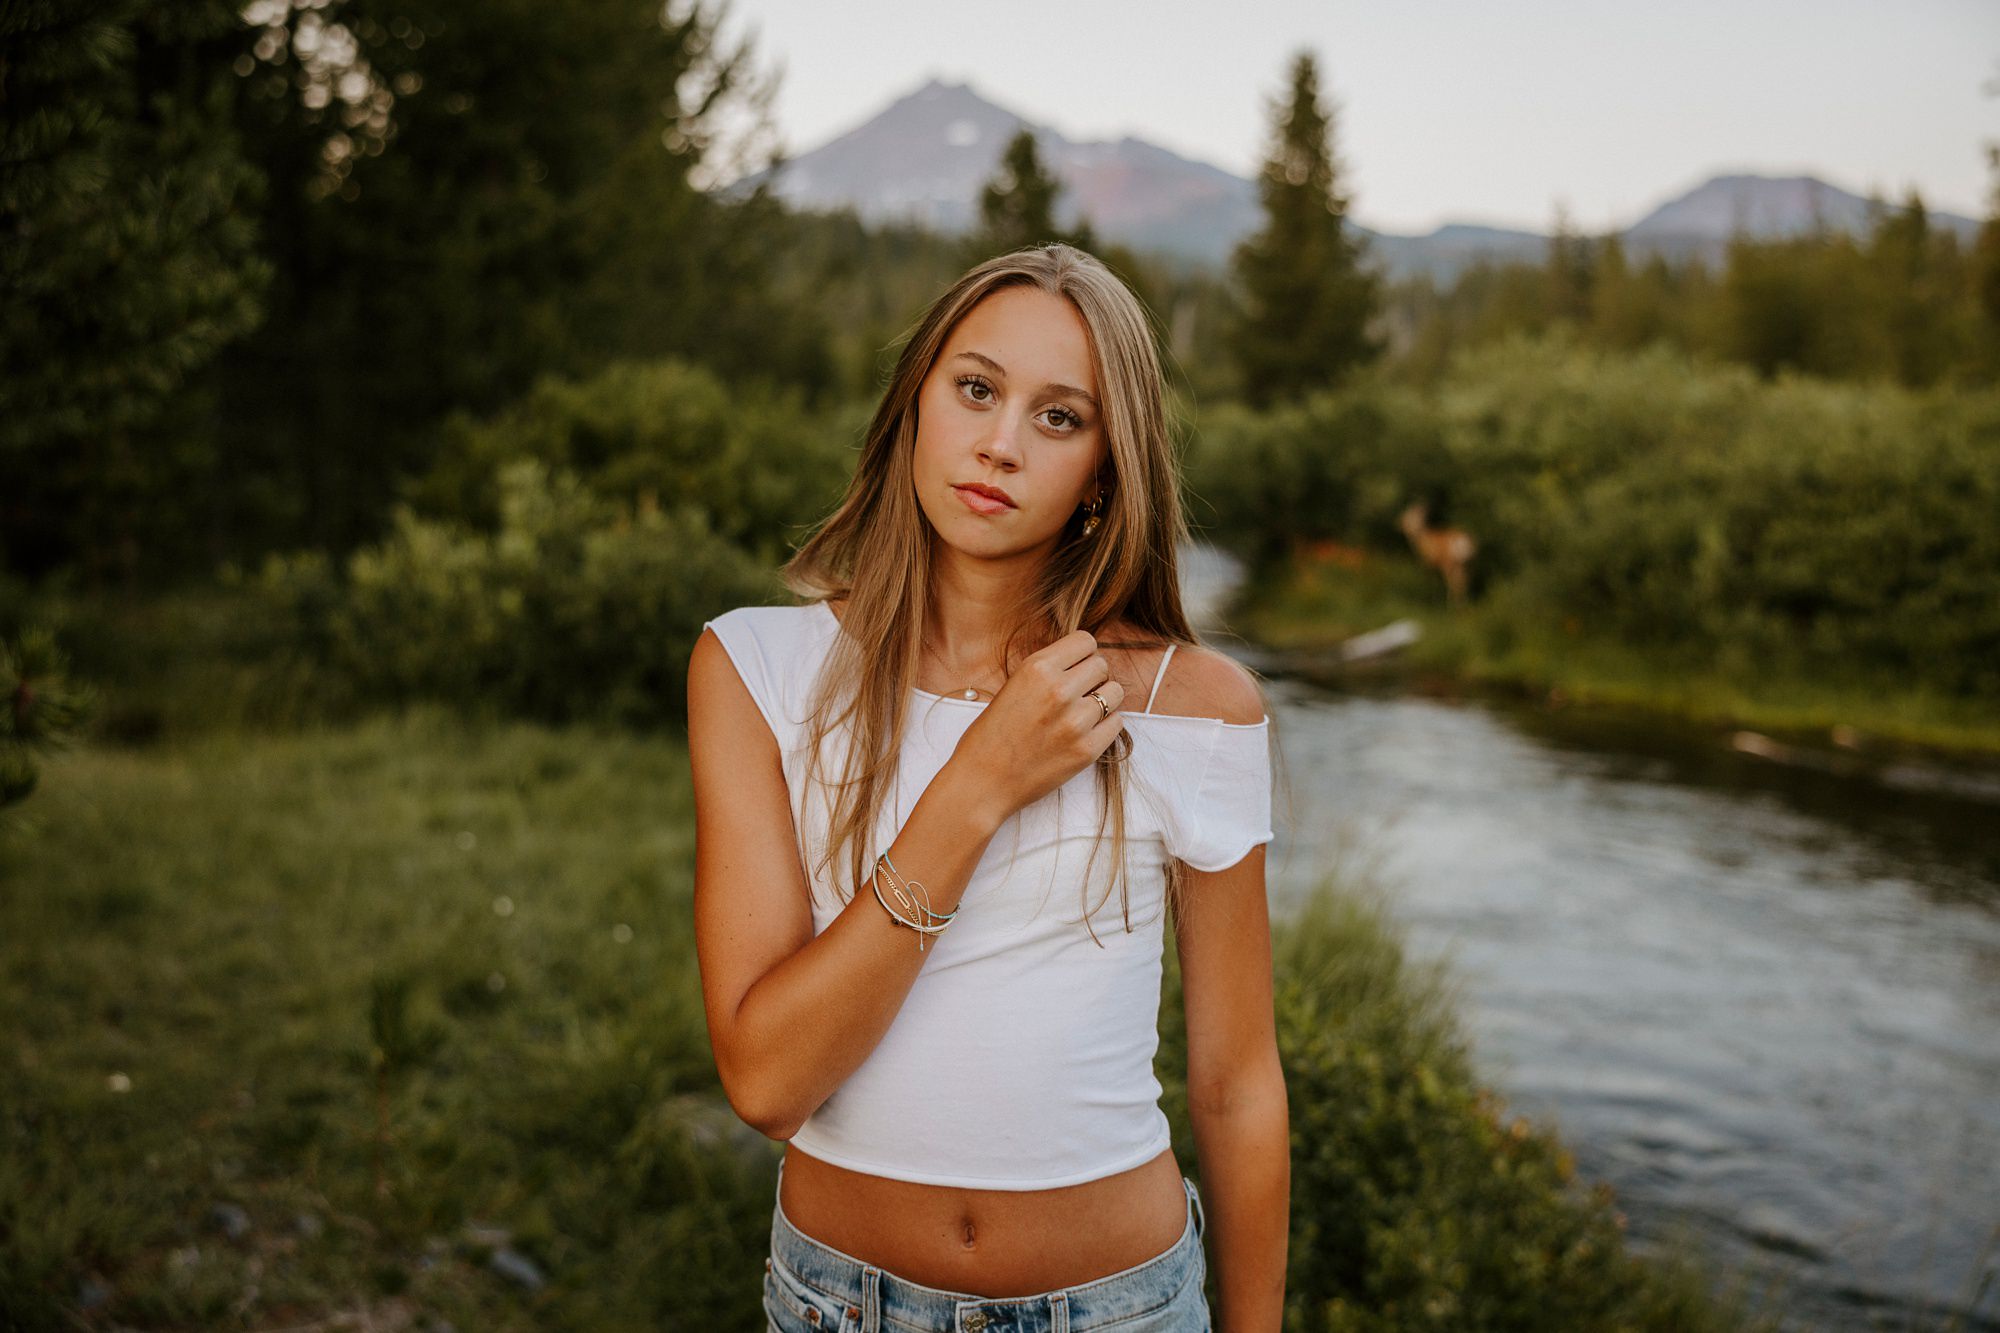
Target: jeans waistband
[851,1293]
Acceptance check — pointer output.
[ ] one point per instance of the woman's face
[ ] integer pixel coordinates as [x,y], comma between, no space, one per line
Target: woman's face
[1010,404]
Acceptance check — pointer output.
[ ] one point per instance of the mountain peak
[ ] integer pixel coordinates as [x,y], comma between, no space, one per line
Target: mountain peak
[926,155]
[938,91]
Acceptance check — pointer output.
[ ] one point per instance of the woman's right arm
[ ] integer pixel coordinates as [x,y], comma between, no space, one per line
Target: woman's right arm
[791,1014]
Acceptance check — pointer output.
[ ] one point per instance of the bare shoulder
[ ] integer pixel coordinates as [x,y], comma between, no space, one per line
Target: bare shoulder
[709,671]
[1202,682]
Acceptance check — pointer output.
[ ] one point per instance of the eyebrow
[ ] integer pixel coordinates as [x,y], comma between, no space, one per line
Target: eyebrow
[1001,371]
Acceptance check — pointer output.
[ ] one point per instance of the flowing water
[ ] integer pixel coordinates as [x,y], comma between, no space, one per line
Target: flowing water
[1761,1000]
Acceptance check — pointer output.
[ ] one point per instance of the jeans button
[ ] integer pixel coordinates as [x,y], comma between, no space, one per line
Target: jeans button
[974,1320]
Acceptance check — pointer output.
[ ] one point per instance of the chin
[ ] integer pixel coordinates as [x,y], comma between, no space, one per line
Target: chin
[980,541]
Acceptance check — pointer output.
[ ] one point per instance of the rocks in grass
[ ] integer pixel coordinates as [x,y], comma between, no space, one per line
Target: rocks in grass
[502,1257]
[517,1267]
[230,1219]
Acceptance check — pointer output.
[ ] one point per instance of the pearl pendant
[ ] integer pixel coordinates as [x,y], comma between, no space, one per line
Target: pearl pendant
[971,693]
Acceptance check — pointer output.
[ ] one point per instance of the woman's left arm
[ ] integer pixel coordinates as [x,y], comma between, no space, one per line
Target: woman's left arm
[1236,1089]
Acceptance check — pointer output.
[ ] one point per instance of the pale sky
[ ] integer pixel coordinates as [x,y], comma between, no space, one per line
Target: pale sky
[1448,110]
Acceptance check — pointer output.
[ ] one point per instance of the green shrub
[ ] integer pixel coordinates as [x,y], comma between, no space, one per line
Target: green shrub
[1337,465]
[1660,499]
[757,464]
[575,608]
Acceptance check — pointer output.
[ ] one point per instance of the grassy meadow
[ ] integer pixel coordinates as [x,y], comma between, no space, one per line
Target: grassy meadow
[393,1021]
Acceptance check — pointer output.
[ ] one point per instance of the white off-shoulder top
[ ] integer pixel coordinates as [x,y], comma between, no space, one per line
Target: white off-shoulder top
[1022,1057]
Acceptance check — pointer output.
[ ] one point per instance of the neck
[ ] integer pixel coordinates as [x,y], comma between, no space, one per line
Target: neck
[975,603]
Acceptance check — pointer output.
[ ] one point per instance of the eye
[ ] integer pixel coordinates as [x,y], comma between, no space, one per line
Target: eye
[967,383]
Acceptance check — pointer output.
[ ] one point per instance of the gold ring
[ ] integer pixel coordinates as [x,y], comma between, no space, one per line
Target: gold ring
[1101,704]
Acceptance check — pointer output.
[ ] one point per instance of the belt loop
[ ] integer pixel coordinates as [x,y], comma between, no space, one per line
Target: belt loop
[871,1299]
[1194,1201]
[1059,1312]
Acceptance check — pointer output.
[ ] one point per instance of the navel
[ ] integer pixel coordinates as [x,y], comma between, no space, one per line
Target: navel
[967,1231]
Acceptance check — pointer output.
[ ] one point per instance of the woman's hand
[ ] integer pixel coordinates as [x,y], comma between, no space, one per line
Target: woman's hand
[1043,727]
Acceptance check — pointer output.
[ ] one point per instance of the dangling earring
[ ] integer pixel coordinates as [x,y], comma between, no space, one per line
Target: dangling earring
[1090,524]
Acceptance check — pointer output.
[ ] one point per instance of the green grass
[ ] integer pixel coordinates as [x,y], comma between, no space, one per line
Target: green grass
[418,980]
[1503,640]
[211,924]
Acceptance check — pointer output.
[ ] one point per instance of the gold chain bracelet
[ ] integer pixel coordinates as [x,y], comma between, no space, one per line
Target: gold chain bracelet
[928,922]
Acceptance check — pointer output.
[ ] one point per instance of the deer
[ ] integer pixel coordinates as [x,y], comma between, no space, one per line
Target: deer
[1444,549]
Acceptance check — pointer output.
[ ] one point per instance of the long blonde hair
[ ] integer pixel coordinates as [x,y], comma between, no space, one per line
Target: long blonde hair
[875,549]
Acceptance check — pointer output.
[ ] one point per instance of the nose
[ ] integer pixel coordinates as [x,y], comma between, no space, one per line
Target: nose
[1000,449]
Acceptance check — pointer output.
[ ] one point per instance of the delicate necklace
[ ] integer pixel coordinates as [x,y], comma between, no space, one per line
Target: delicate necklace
[967,692]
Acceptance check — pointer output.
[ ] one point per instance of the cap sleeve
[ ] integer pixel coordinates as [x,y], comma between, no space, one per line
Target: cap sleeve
[1231,809]
[738,631]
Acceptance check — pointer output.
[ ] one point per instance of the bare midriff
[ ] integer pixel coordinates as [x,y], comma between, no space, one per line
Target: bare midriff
[987,1242]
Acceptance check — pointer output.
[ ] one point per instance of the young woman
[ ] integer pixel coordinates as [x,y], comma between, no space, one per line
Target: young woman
[901,784]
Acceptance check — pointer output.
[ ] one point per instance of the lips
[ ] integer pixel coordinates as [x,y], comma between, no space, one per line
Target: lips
[984,499]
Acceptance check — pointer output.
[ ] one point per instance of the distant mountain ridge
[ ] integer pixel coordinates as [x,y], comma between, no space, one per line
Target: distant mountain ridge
[927,154]
[925,157]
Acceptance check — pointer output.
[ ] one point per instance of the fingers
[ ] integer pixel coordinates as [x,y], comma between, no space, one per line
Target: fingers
[1092,673]
[1113,695]
[1105,728]
[1080,667]
[1070,650]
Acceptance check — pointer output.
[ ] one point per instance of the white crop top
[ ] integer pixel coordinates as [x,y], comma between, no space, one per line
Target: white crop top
[1022,1057]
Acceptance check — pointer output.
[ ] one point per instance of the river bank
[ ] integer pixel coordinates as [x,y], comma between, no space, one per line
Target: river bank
[1298,621]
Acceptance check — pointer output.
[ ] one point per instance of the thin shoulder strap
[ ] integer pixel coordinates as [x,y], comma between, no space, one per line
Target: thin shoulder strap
[1160,675]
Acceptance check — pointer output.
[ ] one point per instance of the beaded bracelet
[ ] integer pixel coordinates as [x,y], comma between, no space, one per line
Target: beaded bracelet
[929,922]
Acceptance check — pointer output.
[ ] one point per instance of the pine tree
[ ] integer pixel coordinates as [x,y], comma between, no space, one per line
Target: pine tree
[41,709]
[476,194]
[1910,299]
[127,259]
[1017,207]
[1571,267]
[1986,263]
[1305,300]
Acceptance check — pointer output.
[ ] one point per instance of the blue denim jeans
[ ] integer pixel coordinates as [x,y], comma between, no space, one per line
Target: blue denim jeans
[810,1287]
